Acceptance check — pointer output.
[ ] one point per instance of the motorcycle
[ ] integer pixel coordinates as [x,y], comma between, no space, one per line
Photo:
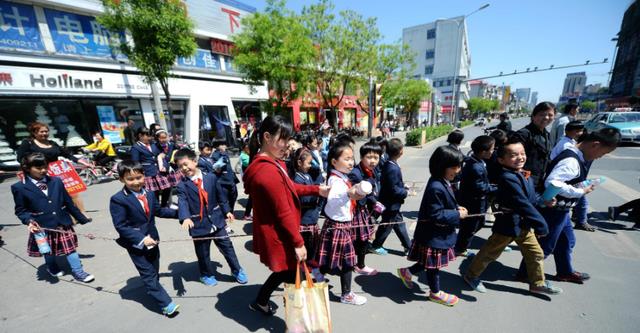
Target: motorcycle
[94,174]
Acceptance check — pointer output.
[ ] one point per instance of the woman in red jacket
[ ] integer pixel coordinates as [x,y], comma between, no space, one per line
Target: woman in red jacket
[276,221]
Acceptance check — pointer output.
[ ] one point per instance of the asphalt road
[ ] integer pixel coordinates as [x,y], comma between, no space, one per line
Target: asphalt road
[116,301]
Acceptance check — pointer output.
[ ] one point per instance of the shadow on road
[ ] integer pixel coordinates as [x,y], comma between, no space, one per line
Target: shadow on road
[183,271]
[234,304]
[385,284]
[135,291]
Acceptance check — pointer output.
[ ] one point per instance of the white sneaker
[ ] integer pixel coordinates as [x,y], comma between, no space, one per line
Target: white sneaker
[353,299]
[366,270]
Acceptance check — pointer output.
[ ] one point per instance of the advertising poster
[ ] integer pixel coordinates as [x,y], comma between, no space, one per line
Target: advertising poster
[111,129]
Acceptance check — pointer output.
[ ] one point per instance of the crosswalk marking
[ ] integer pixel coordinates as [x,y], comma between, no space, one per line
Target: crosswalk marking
[623,191]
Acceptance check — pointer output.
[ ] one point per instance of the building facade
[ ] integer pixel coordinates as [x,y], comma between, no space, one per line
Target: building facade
[523,94]
[625,78]
[534,100]
[574,84]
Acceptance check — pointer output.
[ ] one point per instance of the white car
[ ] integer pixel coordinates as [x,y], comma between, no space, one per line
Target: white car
[480,122]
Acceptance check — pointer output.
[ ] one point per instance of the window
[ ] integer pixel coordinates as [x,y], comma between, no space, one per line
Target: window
[448,83]
[428,70]
[430,54]
[431,33]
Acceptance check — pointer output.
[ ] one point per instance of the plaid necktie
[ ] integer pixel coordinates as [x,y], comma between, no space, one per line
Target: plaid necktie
[42,185]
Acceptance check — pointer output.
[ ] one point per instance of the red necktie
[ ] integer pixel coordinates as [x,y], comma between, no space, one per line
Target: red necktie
[353,202]
[202,194]
[526,174]
[145,203]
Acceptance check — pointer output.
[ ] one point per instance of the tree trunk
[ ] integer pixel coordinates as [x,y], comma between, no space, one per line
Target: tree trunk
[165,87]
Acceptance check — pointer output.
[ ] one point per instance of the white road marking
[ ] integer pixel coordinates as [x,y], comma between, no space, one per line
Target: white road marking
[623,191]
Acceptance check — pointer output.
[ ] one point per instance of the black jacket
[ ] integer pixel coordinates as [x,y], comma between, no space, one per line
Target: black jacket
[537,145]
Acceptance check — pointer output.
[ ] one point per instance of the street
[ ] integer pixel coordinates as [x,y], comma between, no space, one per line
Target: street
[116,301]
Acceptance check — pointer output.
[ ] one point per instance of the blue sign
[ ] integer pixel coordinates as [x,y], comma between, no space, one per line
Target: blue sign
[19,27]
[228,64]
[203,59]
[80,35]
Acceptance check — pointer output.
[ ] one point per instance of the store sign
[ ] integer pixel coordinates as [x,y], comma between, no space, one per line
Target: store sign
[203,59]
[219,16]
[64,81]
[221,46]
[19,27]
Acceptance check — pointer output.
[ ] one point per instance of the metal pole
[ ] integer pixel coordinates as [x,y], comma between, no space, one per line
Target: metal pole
[372,106]
[454,104]
[434,109]
[158,104]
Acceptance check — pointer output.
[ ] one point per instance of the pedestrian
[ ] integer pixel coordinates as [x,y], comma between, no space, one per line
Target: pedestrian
[146,153]
[204,160]
[558,128]
[129,133]
[42,202]
[276,219]
[504,124]
[245,159]
[435,234]
[317,171]
[494,169]
[165,150]
[474,191]
[336,254]
[633,206]
[519,221]
[455,139]
[226,176]
[133,211]
[537,143]
[568,171]
[572,131]
[363,220]
[103,149]
[392,194]
[202,209]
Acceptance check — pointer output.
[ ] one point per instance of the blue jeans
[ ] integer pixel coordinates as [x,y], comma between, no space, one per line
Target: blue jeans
[72,258]
[580,210]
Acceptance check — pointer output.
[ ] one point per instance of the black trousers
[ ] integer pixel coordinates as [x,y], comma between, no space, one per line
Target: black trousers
[203,252]
[272,282]
[384,230]
[248,207]
[468,228]
[361,248]
[147,262]
[231,191]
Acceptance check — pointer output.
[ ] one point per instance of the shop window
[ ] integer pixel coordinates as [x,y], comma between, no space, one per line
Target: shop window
[215,124]
[428,70]
[111,117]
[179,113]
[429,54]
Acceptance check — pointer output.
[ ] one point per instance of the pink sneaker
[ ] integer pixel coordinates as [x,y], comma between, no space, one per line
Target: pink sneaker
[443,298]
[366,270]
[353,299]
[406,277]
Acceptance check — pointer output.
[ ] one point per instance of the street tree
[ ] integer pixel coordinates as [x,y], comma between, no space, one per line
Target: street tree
[408,94]
[480,106]
[274,46]
[588,106]
[160,31]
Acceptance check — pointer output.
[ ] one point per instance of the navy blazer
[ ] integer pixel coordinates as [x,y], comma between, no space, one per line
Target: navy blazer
[189,205]
[356,176]
[392,191]
[474,186]
[227,176]
[438,216]
[517,197]
[205,164]
[148,159]
[49,211]
[310,211]
[130,220]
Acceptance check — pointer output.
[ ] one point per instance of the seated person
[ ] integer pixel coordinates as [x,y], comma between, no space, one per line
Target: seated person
[103,148]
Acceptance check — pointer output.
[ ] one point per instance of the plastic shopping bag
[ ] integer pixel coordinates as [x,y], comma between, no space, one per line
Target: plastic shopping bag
[306,305]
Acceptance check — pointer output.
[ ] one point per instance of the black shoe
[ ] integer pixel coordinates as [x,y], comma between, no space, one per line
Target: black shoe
[613,214]
[266,310]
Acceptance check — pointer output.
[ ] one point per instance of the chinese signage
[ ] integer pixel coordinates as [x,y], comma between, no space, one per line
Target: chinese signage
[80,35]
[203,59]
[111,129]
[70,178]
[221,46]
[19,27]
[220,16]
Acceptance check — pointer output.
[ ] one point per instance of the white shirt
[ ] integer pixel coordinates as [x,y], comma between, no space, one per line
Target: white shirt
[197,176]
[564,143]
[566,170]
[338,207]
[35,182]
[557,129]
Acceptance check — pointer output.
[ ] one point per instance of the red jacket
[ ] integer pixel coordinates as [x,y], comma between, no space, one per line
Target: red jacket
[276,212]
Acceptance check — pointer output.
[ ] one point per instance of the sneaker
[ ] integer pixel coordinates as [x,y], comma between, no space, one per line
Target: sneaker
[83,277]
[58,273]
[209,280]
[546,288]
[613,215]
[366,270]
[507,249]
[475,283]
[575,277]
[353,299]
[406,277]
[241,277]
[444,298]
[381,251]
[171,309]
[462,254]
[266,310]
[248,218]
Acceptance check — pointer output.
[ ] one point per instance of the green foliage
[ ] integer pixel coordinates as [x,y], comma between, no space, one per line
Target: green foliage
[588,106]
[478,106]
[406,93]
[274,46]
[414,136]
[466,123]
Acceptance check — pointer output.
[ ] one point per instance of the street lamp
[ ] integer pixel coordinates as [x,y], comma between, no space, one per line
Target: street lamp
[456,86]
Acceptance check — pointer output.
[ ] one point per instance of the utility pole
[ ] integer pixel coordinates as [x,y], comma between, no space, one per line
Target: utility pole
[158,104]
[372,105]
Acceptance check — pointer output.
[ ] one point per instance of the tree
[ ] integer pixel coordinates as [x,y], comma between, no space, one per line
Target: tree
[479,106]
[588,106]
[275,46]
[161,32]
[406,93]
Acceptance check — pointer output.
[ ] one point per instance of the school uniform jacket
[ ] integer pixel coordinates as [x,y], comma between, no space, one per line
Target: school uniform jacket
[392,191]
[308,203]
[148,158]
[213,217]
[205,165]
[130,220]
[438,216]
[516,196]
[356,176]
[474,186]
[227,177]
[50,210]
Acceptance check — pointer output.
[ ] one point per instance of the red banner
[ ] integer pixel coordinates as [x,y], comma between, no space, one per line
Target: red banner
[70,178]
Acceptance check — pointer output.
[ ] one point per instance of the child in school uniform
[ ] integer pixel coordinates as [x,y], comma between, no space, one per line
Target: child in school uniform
[392,194]
[165,150]
[226,176]
[520,221]
[435,234]
[336,254]
[146,153]
[133,211]
[204,160]
[202,209]
[42,202]
[474,189]
[363,220]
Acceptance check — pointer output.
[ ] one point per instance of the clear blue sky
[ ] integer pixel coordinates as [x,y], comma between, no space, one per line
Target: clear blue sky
[510,34]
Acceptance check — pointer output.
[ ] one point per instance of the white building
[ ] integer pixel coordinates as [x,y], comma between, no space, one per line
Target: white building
[523,94]
[55,59]
[574,84]
[534,100]
[440,48]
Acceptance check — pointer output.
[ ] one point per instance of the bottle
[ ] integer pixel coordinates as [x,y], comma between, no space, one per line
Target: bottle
[594,182]
[41,241]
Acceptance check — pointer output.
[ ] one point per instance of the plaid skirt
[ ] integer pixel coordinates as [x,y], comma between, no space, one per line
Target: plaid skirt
[174,177]
[311,235]
[431,258]
[362,224]
[156,183]
[60,243]
[336,250]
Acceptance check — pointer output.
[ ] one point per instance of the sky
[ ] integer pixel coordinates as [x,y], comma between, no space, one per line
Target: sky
[510,35]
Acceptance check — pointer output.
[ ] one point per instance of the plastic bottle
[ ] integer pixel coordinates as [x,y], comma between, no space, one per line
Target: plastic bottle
[41,241]
[593,181]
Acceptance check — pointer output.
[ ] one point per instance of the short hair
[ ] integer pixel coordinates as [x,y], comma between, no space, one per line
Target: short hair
[128,167]
[203,144]
[183,153]
[482,143]
[608,136]
[142,131]
[394,147]
[33,160]
[574,125]
[504,115]
[542,107]
[444,157]
[344,138]
[502,149]
[382,141]
[499,135]
[455,137]
[569,107]
[35,127]
[218,142]
[370,147]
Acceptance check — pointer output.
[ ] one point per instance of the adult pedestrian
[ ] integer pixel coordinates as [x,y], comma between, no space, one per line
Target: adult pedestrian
[276,219]
[568,115]
[130,133]
[504,124]
[537,143]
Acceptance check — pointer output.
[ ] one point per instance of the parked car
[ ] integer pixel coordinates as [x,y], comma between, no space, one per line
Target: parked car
[627,122]
[480,122]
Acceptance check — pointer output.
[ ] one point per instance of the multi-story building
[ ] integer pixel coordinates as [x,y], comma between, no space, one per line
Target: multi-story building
[574,84]
[56,62]
[522,94]
[534,100]
[441,54]
[625,79]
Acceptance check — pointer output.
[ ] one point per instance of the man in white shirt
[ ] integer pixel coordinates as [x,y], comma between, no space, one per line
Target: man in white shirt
[573,130]
[557,129]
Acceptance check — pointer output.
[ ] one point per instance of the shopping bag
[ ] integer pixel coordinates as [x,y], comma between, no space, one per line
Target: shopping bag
[306,305]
